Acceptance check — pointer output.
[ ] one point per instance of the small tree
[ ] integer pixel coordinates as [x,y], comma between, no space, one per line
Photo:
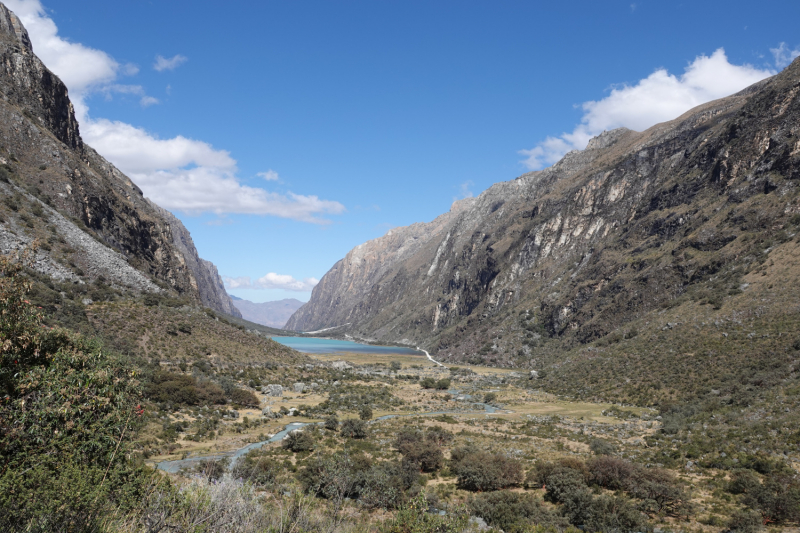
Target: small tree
[442,384]
[354,428]
[365,413]
[331,423]
[299,441]
[427,383]
[395,365]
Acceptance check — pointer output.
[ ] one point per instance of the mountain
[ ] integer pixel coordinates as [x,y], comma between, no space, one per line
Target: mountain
[91,221]
[695,217]
[272,314]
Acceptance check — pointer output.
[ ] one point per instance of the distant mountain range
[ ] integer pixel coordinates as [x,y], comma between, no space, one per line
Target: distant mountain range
[272,314]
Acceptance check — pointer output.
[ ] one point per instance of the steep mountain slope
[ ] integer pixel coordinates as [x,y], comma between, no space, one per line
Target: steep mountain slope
[272,314]
[608,237]
[91,220]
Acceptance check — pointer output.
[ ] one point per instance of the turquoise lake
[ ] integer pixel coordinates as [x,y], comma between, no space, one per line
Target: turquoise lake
[314,345]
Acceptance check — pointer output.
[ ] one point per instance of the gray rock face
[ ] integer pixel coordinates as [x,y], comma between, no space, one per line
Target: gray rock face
[299,387]
[273,390]
[114,231]
[581,248]
[205,275]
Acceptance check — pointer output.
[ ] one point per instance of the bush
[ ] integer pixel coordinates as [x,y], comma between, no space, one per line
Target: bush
[212,469]
[513,511]
[777,499]
[602,447]
[742,482]
[427,383]
[423,452]
[442,384]
[610,472]
[257,468]
[745,522]
[613,513]
[331,423]
[482,471]
[175,388]
[489,397]
[244,397]
[365,413]
[385,484]
[299,441]
[413,517]
[66,417]
[354,429]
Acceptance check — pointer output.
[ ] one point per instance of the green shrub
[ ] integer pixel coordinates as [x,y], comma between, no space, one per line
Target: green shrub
[514,511]
[354,429]
[745,522]
[427,383]
[365,413]
[212,469]
[602,447]
[67,414]
[442,384]
[299,441]
[257,468]
[245,398]
[414,518]
[331,423]
[482,471]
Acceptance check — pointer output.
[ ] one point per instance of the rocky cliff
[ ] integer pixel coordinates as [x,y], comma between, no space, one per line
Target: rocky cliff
[90,219]
[608,237]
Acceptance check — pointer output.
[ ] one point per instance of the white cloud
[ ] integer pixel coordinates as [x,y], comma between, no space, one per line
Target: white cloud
[659,97]
[269,175]
[783,56]
[162,63]
[147,101]
[179,173]
[129,69]
[464,191]
[271,281]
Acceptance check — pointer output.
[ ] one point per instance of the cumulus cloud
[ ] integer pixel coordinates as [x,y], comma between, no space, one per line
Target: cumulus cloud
[659,97]
[271,281]
[783,55]
[178,173]
[84,70]
[137,90]
[162,63]
[269,175]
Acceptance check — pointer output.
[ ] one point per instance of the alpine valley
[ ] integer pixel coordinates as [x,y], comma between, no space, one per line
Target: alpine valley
[611,344]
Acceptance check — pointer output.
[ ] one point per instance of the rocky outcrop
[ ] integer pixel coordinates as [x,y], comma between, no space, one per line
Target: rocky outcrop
[56,186]
[28,84]
[338,297]
[205,276]
[578,250]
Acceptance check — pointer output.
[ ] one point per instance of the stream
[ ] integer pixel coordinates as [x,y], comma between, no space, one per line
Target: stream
[173,467]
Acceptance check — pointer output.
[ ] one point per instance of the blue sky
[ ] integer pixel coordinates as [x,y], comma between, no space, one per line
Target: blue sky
[285,133]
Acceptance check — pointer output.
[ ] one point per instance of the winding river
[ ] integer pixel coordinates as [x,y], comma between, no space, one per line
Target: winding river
[176,466]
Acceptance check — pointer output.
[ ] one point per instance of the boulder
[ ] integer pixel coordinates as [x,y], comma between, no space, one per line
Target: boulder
[272,390]
[299,387]
[534,374]
[340,365]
